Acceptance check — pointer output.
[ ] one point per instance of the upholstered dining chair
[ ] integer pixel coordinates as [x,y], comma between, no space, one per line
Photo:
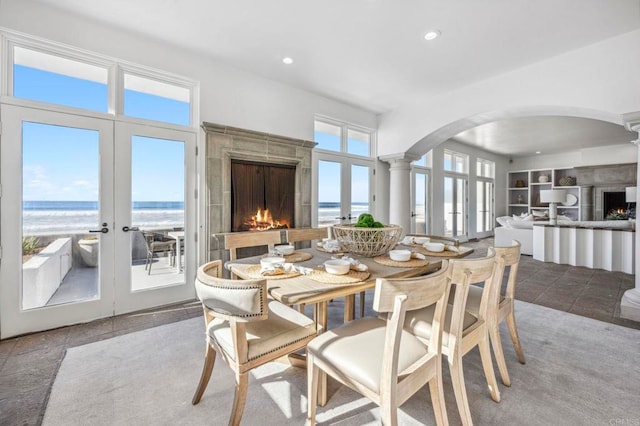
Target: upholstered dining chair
[502,310]
[157,244]
[462,331]
[380,360]
[245,328]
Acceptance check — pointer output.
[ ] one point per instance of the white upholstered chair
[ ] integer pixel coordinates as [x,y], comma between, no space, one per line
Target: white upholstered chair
[245,328]
[462,331]
[379,359]
[502,310]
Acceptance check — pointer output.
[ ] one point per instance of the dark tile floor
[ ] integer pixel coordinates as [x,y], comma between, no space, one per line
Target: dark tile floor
[29,364]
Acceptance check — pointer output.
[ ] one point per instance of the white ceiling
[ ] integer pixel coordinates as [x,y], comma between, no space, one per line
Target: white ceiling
[372,54]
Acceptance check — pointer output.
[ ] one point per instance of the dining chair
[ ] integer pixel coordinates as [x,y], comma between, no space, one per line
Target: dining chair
[236,240]
[502,310]
[245,328]
[157,244]
[380,360]
[463,331]
[295,235]
[438,238]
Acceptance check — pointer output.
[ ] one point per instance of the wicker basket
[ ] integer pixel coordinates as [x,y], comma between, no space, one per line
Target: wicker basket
[369,242]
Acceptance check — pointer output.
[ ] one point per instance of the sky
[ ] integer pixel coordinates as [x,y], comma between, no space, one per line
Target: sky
[62,163]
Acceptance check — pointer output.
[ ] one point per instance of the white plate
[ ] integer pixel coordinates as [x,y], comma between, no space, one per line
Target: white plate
[571,200]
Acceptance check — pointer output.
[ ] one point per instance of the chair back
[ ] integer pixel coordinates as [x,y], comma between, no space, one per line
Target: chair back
[236,240]
[511,256]
[438,238]
[231,300]
[306,234]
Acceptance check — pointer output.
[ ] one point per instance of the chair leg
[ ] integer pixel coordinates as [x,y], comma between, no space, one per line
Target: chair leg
[207,368]
[312,389]
[459,389]
[239,398]
[496,343]
[487,365]
[513,331]
[436,389]
[362,301]
[389,412]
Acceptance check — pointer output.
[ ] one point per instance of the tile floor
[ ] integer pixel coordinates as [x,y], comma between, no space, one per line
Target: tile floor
[28,364]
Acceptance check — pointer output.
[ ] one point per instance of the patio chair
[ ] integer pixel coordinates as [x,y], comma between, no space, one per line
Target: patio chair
[377,358]
[156,243]
[504,309]
[245,328]
[463,331]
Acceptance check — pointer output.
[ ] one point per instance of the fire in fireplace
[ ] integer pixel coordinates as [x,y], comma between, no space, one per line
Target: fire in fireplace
[262,196]
[615,207]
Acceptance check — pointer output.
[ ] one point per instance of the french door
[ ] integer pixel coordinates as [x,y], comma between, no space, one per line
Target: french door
[343,187]
[455,206]
[484,208]
[420,199]
[73,231]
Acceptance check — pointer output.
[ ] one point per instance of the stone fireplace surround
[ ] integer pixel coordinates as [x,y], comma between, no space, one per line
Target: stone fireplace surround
[224,143]
[594,181]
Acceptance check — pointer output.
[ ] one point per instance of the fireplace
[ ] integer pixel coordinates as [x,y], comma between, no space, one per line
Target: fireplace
[225,146]
[597,182]
[262,196]
[615,205]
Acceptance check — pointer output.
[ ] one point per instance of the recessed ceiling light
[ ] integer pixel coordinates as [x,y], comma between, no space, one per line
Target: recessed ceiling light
[287,60]
[431,35]
[538,152]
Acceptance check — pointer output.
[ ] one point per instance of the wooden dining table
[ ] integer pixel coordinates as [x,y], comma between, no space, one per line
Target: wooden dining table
[302,290]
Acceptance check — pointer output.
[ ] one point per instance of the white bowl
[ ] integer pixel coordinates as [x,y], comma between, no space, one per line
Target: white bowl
[421,240]
[434,247]
[337,266]
[270,262]
[285,249]
[400,255]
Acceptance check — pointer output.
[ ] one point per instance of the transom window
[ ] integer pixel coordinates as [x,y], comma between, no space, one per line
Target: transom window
[335,136]
[485,168]
[64,77]
[425,161]
[456,162]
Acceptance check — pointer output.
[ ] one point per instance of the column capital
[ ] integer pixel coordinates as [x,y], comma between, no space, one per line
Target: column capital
[399,158]
[632,123]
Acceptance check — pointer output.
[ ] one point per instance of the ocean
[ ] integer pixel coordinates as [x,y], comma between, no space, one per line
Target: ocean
[65,217]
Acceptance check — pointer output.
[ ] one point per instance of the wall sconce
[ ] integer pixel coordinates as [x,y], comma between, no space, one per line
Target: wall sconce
[553,196]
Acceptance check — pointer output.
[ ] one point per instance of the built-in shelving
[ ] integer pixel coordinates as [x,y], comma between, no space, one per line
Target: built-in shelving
[524,186]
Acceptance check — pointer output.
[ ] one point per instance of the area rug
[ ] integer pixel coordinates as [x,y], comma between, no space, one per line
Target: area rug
[579,371]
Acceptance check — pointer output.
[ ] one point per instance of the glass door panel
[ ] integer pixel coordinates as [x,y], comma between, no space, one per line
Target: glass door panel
[157,212]
[459,214]
[60,208]
[420,198]
[455,206]
[484,213]
[360,188]
[329,193]
[449,212]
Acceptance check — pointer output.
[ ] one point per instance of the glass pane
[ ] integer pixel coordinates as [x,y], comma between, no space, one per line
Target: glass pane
[448,161]
[422,161]
[60,183]
[48,78]
[419,209]
[448,207]
[460,210]
[488,196]
[358,143]
[481,210]
[488,169]
[329,190]
[155,100]
[479,168]
[460,164]
[157,210]
[327,136]
[359,191]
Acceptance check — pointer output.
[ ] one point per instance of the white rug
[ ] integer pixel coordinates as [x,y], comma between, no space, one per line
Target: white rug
[579,371]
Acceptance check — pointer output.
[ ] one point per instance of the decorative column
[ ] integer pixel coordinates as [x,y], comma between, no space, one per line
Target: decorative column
[400,189]
[630,303]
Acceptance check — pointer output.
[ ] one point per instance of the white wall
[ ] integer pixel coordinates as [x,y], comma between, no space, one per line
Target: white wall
[598,81]
[228,96]
[615,154]
[438,183]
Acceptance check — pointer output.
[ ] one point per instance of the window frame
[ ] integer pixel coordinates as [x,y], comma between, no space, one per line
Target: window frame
[344,137]
[455,155]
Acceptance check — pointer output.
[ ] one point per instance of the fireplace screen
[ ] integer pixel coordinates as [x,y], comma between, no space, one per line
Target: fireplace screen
[262,196]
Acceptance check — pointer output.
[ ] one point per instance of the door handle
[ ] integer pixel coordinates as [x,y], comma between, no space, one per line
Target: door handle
[132,228]
[103,230]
